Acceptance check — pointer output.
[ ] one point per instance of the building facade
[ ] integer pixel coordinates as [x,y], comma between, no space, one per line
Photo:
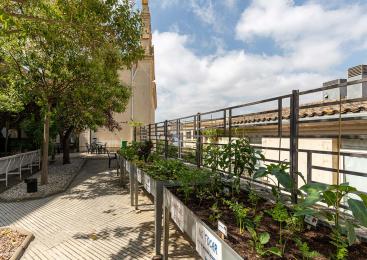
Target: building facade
[143,102]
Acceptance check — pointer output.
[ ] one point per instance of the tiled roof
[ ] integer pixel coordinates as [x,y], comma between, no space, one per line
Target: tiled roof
[311,111]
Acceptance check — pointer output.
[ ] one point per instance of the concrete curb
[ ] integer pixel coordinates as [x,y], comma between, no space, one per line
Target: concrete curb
[64,188]
[21,249]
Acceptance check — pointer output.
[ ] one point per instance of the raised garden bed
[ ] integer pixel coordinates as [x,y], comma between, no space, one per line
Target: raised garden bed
[13,242]
[196,213]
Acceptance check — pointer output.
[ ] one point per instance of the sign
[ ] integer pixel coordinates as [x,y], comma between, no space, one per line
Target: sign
[222,228]
[147,183]
[177,212]
[207,245]
[138,175]
[311,220]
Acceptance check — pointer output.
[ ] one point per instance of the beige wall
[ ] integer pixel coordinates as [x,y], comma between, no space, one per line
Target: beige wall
[142,104]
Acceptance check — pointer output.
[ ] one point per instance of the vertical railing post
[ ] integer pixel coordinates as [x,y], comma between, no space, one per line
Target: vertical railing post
[179,138]
[150,132]
[166,139]
[230,135]
[198,141]
[156,137]
[309,166]
[224,122]
[294,109]
[280,118]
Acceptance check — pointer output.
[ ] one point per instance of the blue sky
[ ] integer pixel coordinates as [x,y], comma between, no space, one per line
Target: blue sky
[212,53]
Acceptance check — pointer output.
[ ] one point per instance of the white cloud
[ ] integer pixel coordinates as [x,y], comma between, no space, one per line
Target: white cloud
[188,84]
[313,36]
[230,3]
[167,3]
[204,9]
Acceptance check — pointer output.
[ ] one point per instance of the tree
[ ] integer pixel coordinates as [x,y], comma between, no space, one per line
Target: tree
[45,45]
[93,104]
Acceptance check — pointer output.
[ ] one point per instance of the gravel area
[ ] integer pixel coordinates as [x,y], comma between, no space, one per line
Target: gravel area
[10,240]
[59,179]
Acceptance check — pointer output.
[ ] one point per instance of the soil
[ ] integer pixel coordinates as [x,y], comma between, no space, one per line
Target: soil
[10,240]
[318,238]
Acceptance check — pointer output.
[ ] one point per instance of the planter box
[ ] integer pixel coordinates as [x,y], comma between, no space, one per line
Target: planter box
[153,187]
[208,244]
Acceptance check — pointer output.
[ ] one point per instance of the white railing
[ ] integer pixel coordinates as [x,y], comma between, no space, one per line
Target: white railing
[13,165]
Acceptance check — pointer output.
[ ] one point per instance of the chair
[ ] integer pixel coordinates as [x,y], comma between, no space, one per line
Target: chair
[88,148]
[111,157]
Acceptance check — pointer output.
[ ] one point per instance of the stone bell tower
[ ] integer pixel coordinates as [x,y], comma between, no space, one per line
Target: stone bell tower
[143,103]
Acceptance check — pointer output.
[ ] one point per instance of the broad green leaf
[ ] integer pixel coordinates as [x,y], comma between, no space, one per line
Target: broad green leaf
[261,172]
[329,197]
[275,251]
[311,199]
[284,179]
[359,210]
[314,187]
[264,238]
[351,233]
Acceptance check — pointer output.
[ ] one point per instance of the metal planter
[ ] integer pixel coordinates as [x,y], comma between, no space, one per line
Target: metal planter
[208,244]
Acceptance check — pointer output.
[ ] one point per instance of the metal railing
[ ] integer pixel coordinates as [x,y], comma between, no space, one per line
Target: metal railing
[289,119]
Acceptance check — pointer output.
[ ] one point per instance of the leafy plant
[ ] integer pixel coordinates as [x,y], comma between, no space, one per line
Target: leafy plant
[211,159]
[305,250]
[241,214]
[144,150]
[193,181]
[333,196]
[258,242]
[253,198]
[280,173]
[239,157]
[130,152]
[216,213]
[167,169]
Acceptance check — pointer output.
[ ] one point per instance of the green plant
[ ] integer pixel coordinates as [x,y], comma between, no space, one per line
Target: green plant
[162,169]
[305,250]
[333,196]
[211,158]
[130,152]
[241,214]
[280,172]
[289,225]
[144,150]
[258,242]
[239,157]
[194,181]
[216,213]
[253,198]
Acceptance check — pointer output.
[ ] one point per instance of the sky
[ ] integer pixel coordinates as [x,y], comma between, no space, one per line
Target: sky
[211,54]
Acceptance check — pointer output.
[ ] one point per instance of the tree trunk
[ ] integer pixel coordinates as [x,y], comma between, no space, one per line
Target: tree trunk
[46,137]
[65,140]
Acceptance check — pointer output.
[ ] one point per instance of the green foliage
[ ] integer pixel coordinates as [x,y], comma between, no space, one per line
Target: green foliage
[241,158]
[258,242]
[130,152]
[306,252]
[167,169]
[77,70]
[194,182]
[216,213]
[241,214]
[333,196]
[144,151]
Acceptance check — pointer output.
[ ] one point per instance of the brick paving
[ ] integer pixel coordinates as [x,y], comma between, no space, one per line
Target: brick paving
[91,220]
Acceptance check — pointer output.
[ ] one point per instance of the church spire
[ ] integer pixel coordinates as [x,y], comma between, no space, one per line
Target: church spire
[145,5]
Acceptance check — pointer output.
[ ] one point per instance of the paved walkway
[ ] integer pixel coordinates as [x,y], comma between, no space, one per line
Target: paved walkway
[92,220]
